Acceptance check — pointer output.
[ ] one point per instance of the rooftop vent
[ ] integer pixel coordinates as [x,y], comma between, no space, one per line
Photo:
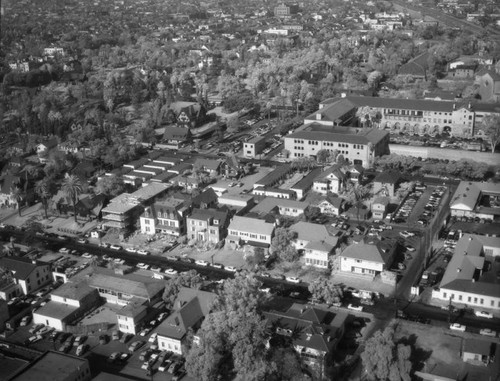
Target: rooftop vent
[459,270]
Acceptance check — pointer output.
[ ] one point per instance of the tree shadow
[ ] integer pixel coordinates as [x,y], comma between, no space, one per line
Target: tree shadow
[418,355]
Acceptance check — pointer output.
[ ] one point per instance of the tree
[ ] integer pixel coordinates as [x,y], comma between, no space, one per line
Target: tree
[384,360]
[73,188]
[110,185]
[42,190]
[281,245]
[325,290]
[323,156]
[491,128]
[189,279]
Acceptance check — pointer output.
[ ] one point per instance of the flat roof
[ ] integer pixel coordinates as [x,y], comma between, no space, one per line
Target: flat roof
[52,366]
[56,310]
[256,139]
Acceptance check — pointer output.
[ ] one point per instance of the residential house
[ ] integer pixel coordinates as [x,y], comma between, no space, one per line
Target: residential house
[130,317]
[84,170]
[386,183]
[165,216]
[478,352]
[8,182]
[332,180]
[232,168]
[331,206]
[465,283]
[308,232]
[317,253]
[206,199]
[355,173]
[44,147]
[29,274]
[190,309]
[67,303]
[210,166]
[489,85]
[367,259]
[188,114]
[284,207]
[90,206]
[207,225]
[314,333]
[174,137]
[250,231]
[379,207]
[416,67]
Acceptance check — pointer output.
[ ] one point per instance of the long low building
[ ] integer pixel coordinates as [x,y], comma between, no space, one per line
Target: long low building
[476,199]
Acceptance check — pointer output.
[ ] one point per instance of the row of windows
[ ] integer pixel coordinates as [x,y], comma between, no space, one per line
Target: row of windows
[470,299]
[316,262]
[313,142]
[298,141]
[244,234]
[298,148]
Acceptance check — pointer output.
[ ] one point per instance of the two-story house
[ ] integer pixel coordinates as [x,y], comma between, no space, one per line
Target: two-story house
[190,308]
[207,225]
[314,333]
[250,231]
[386,183]
[165,216]
[331,180]
[331,206]
[27,274]
[379,207]
[367,259]
[67,303]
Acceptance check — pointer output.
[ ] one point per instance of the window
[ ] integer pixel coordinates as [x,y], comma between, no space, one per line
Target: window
[459,297]
[481,301]
[147,222]
[444,295]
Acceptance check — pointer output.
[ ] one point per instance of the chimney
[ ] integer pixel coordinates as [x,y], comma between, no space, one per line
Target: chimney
[459,270]
[176,320]
[454,106]
[318,116]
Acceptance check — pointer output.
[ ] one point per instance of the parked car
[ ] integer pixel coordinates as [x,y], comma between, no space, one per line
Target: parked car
[292,279]
[488,332]
[142,266]
[33,339]
[81,349]
[115,247]
[82,241]
[231,269]
[201,262]
[483,314]
[113,357]
[171,272]
[355,308]
[25,320]
[79,340]
[143,252]
[115,335]
[457,327]
[145,331]
[153,337]
[36,328]
[135,346]
[218,265]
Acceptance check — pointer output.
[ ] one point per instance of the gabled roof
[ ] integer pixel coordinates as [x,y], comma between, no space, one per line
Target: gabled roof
[308,231]
[207,197]
[368,252]
[467,194]
[476,346]
[175,133]
[251,225]
[20,267]
[73,291]
[208,164]
[207,214]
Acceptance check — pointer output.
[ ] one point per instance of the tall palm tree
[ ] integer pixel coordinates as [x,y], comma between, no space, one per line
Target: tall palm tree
[17,194]
[42,190]
[73,188]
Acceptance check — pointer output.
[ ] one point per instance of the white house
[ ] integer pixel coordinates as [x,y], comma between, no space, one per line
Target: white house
[366,259]
[331,206]
[330,180]
[29,275]
[317,254]
[250,231]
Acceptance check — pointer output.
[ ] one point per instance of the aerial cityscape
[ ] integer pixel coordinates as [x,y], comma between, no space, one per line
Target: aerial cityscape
[250,191]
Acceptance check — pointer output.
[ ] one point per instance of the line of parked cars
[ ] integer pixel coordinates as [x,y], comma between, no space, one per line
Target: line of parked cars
[432,205]
[406,208]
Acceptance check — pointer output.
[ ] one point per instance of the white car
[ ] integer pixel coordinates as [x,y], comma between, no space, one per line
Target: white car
[152,338]
[406,234]
[457,327]
[145,331]
[156,269]
[201,262]
[483,314]
[171,272]
[87,255]
[143,252]
[355,308]
[231,269]
[292,279]
[119,261]
[115,247]
[488,332]
[64,250]
[131,250]
[142,266]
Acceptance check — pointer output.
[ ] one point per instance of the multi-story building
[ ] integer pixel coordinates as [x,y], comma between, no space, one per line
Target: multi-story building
[285,11]
[166,216]
[207,225]
[355,145]
[406,115]
[367,259]
[331,180]
[468,281]
[254,146]
[67,303]
[27,274]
